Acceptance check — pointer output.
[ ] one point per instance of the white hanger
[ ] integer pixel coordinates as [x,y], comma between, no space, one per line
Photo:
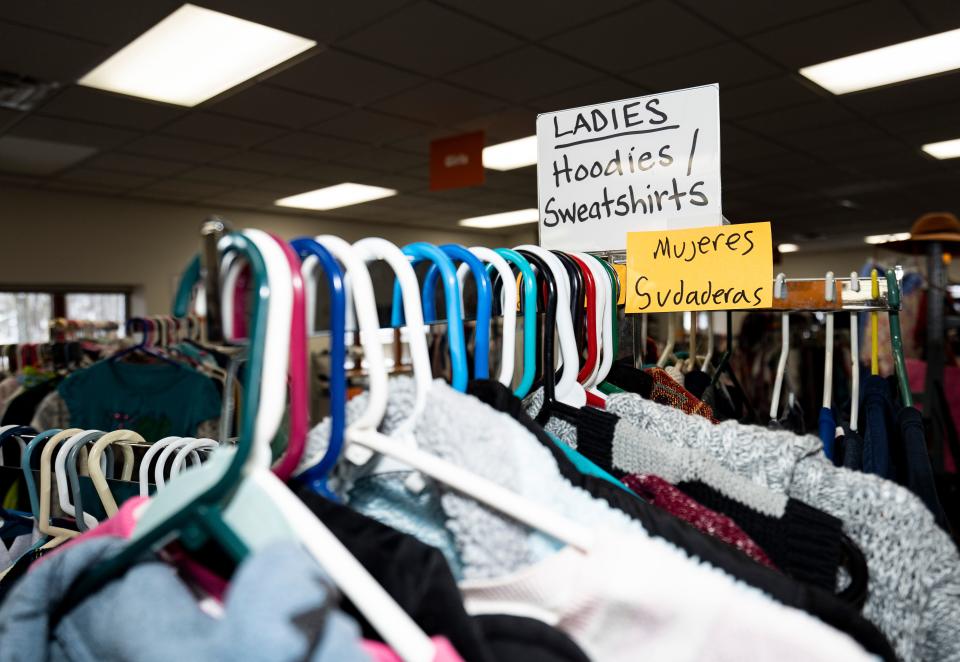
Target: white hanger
[364,433]
[230,267]
[568,389]
[830,294]
[508,304]
[710,340]
[780,291]
[59,468]
[190,450]
[375,248]
[854,358]
[165,454]
[144,471]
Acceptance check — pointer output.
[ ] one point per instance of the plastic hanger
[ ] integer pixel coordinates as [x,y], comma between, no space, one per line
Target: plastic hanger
[830,294]
[606,308]
[372,249]
[455,336]
[593,329]
[780,291]
[529,284]
[27,468]
[568,389]
[854,358]
[508,305]
[121,438]
[481,344]
[577,291]
[671,341]
[13,432]
[46,491]
[72,468]
[165,460]
[711,338]
[314,255]
[896,338]
[63,490]
[874,326]
[190,450]
[144,472]
[364,433]
[142,347]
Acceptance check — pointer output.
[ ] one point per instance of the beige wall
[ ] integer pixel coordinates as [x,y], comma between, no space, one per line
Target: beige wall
[78,239]
[815,263]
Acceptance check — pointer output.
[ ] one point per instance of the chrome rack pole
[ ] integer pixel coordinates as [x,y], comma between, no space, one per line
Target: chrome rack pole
[211,231]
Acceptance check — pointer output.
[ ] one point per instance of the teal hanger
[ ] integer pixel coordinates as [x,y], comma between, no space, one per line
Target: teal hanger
[896,338]
[198,517]
[28,469]
[529,318]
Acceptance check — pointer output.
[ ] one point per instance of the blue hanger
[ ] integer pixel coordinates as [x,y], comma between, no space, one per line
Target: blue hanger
[28,469]
[11,519]
[142,345]
[481,349]
[529,318]
[419,251]
[316,476]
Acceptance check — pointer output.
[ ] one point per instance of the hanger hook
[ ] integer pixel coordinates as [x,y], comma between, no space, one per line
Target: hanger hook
[780,286]
[854,281]
[829,287]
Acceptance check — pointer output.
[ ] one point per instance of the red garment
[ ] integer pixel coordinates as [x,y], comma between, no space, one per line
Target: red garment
[665,496]
[668,392]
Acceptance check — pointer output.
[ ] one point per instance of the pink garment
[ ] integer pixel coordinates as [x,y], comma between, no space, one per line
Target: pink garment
[122,525]
[380,652]
[917,373]
[665,496]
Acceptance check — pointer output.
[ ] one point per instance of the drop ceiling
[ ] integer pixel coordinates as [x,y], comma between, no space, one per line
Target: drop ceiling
[389,76]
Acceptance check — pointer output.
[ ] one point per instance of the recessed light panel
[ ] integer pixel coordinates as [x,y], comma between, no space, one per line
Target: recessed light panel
[948,149]
[892,64]
[510,155]
[885,238]
[333,197]
[502,220]
[192,55]
[788,248]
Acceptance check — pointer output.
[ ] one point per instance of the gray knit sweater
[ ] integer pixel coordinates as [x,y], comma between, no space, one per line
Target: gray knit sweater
[914,567]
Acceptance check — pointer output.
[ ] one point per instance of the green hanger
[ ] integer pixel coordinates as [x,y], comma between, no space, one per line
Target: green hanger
[896,338]
[194,512]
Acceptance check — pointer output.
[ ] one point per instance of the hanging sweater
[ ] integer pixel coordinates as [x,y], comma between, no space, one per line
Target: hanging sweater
[914,568]
[487,544]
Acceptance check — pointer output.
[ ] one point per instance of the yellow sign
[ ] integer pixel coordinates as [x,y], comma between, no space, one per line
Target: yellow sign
[716,268]
[621,270]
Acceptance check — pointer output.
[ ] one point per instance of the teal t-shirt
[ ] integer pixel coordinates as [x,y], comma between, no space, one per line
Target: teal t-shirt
[155,399]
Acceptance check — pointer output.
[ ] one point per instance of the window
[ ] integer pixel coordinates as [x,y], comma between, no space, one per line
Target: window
[25,314]
[25,317]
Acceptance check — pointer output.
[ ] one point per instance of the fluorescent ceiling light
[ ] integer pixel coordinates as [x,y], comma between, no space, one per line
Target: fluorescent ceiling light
[788,248]
[502,220]
[333,197]
[509,155]
[884,238]
[892,64]
[948,149]
[192,55]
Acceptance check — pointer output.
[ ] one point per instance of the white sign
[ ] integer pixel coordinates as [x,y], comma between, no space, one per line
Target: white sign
[649,163]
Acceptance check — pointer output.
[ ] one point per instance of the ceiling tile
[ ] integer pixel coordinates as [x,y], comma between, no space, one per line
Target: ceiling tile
[226,176]
[242,197]
[30,156]
[337,75]
[181,189]
[119,180]
[45,55]
[222,130]
[421,144]
[327,174]
[739,145]
[429,39]
[728,64]
[283,186]
[757,98]
[369,127]
[860,27]
[537,18]
[599,91]
[86,103]
[271,164]
[742,17]
[615,44]
[111,22]
[273,105]
[310,145]
[137,165]
[797,118]
[78,133]
[177,149]
[382,158]
[914,94]
[504,125]
[938,15]
[323,21]
[439,103]
[523,74]
[931,124]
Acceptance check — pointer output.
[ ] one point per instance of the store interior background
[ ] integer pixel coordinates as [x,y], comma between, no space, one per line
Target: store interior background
[389,76]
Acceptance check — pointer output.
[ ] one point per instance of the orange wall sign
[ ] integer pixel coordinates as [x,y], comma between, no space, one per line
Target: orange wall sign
[456,162]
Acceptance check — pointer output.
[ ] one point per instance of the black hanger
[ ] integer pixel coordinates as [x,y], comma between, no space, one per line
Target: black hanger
[578,308]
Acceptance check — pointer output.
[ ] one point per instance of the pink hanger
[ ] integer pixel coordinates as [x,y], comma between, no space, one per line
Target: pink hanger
[299,395]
